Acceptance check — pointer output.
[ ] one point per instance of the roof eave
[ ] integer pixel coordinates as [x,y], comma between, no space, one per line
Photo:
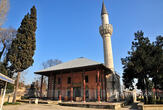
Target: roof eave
[102,65]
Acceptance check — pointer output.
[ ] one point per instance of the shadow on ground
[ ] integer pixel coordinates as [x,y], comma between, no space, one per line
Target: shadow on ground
[131,107]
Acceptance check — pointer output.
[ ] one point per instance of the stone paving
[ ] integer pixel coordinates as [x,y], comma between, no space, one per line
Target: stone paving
[43,107]
[50,107]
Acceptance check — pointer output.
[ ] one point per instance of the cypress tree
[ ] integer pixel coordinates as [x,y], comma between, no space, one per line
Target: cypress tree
[23,46]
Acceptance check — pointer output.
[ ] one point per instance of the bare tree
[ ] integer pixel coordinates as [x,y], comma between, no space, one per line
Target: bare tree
[4,7]
[51,62]
[6,37]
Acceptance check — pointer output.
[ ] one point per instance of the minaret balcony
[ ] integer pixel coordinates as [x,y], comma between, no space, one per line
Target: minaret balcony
[106,29]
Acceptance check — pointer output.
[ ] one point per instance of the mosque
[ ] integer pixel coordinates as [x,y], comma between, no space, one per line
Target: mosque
[82,79]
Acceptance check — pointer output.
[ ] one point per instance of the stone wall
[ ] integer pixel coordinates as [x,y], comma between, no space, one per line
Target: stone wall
[8,98]
[113,87]
[141,106]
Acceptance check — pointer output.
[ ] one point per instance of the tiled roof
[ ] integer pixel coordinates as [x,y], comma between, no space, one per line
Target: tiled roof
[76,63]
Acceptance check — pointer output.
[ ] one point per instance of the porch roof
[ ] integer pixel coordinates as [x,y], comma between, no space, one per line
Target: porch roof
[6,78]
[73,64]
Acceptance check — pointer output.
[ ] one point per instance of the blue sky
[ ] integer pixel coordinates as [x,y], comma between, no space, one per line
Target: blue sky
[68,29]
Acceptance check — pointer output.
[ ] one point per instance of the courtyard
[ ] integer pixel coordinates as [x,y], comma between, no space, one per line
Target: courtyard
[43,107]
[49,107]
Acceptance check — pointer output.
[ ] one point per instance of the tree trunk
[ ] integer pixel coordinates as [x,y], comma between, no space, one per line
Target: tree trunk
[16,88]
[41,88]
[147,94]
[144,96]
[145,91]
[156,96]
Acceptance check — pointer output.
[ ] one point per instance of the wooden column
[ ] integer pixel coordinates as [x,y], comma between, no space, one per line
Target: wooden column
[60,95]
[71,86]
[48,86]
[102,83]
[51,86]
[98,85]
[71,94]
[41,91]
[54,86]
[105,87]
[83,86]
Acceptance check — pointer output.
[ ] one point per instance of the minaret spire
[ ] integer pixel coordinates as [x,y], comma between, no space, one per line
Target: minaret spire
[106,30]
[103,11]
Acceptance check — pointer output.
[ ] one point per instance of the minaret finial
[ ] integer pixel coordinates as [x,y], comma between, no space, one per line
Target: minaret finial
[103,11]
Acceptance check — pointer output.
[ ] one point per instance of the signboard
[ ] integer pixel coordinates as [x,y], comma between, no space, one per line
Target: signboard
[6,79]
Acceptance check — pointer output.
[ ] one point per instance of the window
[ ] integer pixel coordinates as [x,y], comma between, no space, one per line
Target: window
[69,80]
[59,80]
[68,93]
[86,79]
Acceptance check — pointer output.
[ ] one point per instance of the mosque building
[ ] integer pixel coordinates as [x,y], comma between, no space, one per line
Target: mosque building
[83,79]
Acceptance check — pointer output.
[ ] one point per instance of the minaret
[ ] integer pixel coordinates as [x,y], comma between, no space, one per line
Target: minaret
[106,30]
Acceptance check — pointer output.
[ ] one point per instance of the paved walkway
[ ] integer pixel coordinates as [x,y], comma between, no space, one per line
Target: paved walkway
[43,107]
[55,107]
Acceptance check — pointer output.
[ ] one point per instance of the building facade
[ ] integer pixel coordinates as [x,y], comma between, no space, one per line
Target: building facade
[77,80]
[83,79]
